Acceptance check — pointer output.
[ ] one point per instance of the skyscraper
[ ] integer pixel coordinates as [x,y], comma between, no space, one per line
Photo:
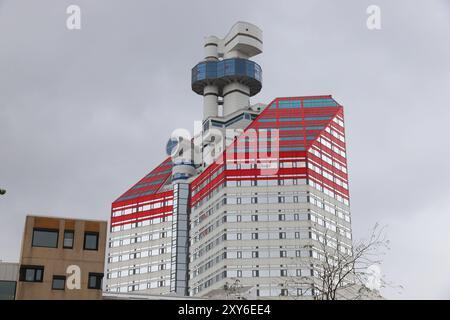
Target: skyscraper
[248,199]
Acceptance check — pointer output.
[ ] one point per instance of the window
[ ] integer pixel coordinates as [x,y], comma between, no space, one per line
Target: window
[46,238]
[283,254]
[281,217]
[7,290]
[95,280]
[68,239]
[91,241]
[282,235]
[255,273]
[239,273]
[132,288]
[255,254]
[161,283]
[254,236]
[132,272]
[284,292]
[283,272]
[31,273]
[254,217]
[59,282]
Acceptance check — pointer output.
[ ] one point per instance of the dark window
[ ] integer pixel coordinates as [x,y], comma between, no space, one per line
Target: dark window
[68,239]
[7,290]
[31,273]
[59,282]
[91,241]
[95,281]
[47,238]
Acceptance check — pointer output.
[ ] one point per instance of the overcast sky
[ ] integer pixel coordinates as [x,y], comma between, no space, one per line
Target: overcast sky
[85,114]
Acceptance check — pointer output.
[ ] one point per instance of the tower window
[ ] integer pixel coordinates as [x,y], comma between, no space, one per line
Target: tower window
[91,241]
[95,280]
[68,239]
[59,282]
[46,238]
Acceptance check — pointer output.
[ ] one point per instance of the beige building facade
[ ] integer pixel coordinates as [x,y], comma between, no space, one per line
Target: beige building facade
[62,259]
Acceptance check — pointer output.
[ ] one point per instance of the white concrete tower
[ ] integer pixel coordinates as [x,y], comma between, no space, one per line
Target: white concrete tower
[227,75]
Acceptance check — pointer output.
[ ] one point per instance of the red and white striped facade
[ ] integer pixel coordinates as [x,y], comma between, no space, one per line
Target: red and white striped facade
[258,216]
[246,222]
[263,227]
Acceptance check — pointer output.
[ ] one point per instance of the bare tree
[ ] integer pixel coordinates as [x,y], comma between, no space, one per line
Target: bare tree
[233,290]
[343,274]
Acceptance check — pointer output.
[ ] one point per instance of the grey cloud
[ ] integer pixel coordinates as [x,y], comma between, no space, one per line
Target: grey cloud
[85,114]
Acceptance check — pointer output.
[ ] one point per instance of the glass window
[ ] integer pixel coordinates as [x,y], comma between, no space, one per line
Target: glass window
[91,241]
[7,290]
[95,280]
[31,273]
[59,282]
[229,66]
[68,239]
[46,238]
